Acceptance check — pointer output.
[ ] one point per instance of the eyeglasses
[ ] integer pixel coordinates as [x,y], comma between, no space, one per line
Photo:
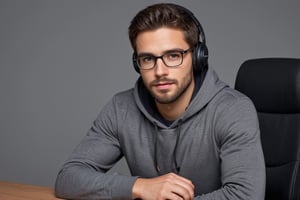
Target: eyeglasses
[172,58]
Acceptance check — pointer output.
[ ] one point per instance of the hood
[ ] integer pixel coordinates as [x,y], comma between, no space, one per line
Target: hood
[166,137]
[211,85]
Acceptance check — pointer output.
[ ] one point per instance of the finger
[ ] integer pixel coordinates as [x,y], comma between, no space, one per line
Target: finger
[185,193]
[182,182]
[173,196]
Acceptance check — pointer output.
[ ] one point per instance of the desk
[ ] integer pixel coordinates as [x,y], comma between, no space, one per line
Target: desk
[14,191]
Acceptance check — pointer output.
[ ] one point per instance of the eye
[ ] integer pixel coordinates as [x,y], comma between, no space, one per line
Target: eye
[146,59]
[173,56]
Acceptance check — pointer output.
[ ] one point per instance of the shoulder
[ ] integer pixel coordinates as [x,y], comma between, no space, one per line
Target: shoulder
[235,116]
[114,111]
[124,96]
[120,101]
[231,99]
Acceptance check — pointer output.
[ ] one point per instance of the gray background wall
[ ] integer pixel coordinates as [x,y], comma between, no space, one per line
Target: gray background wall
[61,61]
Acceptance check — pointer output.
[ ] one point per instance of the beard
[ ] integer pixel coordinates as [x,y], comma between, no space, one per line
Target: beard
[163,97]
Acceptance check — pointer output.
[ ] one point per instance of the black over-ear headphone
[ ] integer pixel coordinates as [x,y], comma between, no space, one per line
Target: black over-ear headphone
[200,52]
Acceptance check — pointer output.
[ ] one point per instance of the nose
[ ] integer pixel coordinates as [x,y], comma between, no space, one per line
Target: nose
[160,68]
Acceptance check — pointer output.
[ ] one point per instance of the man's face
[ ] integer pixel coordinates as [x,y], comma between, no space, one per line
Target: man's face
[166,84]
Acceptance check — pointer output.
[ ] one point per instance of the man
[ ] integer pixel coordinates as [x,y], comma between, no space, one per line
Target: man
[184,133]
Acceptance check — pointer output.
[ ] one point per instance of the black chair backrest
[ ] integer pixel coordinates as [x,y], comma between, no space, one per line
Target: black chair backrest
[273,84]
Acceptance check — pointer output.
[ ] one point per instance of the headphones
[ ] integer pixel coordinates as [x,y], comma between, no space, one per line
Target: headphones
[200,52]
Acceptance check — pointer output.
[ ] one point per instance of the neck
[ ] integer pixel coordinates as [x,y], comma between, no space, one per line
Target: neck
[173,110]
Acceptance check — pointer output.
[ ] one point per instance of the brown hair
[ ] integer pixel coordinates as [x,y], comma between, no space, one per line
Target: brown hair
[164,15]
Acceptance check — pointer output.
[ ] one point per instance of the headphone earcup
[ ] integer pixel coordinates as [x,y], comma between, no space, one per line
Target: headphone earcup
[135,64]
[200,57]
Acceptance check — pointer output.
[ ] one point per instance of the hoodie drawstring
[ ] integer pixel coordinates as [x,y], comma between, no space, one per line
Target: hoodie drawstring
[155,148]
[177,167]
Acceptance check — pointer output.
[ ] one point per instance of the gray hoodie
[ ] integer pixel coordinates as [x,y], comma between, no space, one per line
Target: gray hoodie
[215,143]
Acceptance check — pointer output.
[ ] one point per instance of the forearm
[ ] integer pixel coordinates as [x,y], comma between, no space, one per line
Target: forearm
[80,182]
[232,192]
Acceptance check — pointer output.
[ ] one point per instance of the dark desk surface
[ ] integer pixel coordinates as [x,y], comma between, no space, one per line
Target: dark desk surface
[15,191]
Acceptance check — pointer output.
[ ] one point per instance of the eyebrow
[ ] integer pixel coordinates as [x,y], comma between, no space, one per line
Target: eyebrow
[164,52]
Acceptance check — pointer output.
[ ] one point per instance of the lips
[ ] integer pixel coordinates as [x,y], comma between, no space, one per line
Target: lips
[163,85]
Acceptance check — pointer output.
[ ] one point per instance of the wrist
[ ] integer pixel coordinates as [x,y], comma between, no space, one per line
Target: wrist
[136,189]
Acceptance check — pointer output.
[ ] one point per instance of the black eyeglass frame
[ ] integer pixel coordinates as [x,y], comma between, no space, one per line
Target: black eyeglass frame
[182,52]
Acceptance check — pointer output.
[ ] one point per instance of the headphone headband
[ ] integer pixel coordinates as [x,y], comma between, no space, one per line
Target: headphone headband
[195,20]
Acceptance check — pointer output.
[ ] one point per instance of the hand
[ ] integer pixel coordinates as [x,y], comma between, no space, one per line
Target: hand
[169,186]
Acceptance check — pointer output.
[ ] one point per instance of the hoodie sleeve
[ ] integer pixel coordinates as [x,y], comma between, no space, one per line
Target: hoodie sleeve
[84,176]
[242,161]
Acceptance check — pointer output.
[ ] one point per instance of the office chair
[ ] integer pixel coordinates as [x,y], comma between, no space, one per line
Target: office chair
[273,84]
